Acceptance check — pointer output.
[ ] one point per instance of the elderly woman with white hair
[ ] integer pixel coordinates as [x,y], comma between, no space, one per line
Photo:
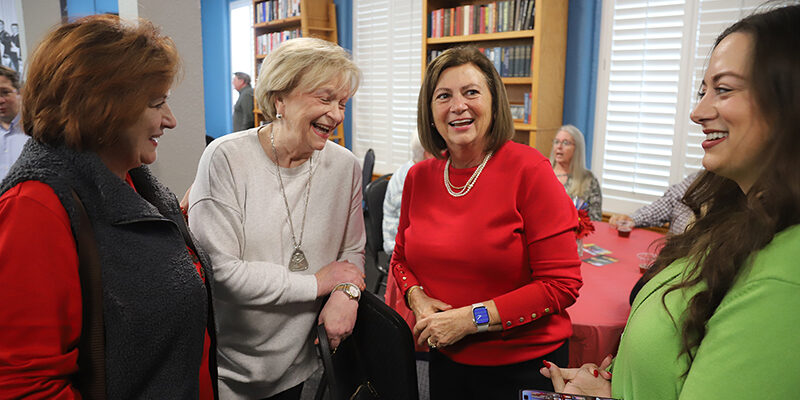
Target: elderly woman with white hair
[278,209]
[568,158]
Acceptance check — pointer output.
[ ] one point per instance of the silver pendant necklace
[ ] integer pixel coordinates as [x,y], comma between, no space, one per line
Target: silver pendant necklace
[298,260]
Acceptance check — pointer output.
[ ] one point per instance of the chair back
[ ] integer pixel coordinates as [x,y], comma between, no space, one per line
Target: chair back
[373,214]
[377,360]
[373,225]
[366,169]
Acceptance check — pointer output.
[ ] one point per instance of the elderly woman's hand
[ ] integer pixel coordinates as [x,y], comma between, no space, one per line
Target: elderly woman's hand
[589,379]
[338,272]
[339,317]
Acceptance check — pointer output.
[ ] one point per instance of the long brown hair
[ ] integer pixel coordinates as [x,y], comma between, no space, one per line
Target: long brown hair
[732,225]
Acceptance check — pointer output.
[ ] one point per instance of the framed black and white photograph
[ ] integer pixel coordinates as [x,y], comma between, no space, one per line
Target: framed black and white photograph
[10,28]
[517,111]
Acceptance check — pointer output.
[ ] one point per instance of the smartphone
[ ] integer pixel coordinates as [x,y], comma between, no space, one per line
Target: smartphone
[543,395]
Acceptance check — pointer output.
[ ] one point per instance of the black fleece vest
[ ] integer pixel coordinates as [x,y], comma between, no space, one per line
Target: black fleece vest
[155,305]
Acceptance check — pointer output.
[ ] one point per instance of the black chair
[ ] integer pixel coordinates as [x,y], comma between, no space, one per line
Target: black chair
[366,170]
[376,361]
[373,224]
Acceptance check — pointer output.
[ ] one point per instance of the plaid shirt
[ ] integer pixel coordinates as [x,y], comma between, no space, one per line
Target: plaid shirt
[668,208]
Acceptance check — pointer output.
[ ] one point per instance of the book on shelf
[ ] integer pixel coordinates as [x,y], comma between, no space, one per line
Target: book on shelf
[509,61]
[271,10]
[269,41]
[500,16]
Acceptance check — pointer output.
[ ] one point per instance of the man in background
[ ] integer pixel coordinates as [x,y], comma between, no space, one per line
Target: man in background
[11,136]
[243,117]
[667,209]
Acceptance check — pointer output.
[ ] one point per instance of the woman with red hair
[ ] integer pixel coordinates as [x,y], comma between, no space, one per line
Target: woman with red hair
[95,104]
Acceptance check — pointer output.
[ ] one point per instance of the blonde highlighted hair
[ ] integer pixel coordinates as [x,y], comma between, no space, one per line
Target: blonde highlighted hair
[305,63]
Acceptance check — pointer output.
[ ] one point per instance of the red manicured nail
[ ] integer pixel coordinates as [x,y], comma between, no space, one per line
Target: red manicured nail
[546,364]
[609,374]
[596,373]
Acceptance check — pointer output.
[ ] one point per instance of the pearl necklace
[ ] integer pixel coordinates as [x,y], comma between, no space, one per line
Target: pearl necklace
[458,191]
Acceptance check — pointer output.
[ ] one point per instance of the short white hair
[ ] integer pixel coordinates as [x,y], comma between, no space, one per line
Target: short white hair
[306,63]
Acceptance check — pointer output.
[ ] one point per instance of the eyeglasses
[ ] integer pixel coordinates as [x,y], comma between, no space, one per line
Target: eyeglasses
[564,142]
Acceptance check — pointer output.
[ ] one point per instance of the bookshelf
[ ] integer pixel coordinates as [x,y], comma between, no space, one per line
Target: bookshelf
[538,53]
[275,21]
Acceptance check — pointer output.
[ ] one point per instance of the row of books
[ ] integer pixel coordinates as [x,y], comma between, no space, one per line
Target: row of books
[509,61]
[500,16]
[267,42]
[271,10]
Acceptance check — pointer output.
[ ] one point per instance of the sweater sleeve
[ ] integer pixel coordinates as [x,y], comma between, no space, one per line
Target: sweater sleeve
[403,276]
[352,249]
[744,353]
[40,320]
[217,220]
[549,220]
[595,200]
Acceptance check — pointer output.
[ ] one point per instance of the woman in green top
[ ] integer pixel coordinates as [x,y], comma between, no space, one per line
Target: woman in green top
[718,317]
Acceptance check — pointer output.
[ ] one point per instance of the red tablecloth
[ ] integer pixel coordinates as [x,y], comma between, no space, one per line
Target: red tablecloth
[601,311]
[599,315]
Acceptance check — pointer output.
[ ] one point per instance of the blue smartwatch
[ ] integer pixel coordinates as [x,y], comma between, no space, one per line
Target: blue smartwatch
[480,317]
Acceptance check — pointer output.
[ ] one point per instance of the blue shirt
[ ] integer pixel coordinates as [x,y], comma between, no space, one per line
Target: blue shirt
[11,142]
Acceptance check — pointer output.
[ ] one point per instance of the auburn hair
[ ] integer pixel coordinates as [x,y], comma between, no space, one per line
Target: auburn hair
[90,79]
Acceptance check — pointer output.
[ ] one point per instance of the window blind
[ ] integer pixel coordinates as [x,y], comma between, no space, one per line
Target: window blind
[387,46]
[653,55]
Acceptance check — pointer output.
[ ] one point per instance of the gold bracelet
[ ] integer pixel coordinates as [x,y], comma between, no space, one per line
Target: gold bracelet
[411,289]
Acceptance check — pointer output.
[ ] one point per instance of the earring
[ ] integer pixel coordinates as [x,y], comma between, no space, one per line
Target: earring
[278,115]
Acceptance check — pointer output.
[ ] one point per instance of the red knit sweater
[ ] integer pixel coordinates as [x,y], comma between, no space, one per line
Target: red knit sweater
[510,239]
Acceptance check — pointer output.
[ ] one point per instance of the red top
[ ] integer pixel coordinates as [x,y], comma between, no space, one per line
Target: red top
[40,321]
[510,239]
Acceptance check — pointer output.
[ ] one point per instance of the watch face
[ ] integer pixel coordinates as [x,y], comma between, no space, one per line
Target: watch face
[481,315]
[353,291]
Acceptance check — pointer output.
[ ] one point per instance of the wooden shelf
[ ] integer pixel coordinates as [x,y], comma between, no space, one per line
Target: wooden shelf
[480,37]
[278,24]
[525,80]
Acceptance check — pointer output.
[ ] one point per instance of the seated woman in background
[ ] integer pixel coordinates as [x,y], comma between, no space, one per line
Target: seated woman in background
[568,158]
[485,252]
[95,105]
[279,209]
[712,320]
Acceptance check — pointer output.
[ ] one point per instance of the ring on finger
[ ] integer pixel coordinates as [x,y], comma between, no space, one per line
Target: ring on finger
[431,344]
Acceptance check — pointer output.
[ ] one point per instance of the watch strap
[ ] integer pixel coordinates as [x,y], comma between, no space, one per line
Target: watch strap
[347,288]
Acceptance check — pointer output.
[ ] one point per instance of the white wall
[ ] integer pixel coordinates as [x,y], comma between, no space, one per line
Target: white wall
[38,18]
[179,149]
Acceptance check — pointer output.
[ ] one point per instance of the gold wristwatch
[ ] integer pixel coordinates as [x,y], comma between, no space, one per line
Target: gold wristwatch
[352,291]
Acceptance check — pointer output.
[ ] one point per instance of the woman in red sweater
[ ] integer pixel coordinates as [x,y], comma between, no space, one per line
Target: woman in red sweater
[485,251]
[95,105]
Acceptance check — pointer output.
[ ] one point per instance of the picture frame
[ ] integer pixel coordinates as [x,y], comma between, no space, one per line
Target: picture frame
[517,111]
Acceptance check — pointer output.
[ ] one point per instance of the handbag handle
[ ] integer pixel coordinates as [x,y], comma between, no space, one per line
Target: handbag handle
[91,379]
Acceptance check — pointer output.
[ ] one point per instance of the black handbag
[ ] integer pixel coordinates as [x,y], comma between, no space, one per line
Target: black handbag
[344,374]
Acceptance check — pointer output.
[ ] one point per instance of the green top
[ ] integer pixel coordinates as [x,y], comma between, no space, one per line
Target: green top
[751,346]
